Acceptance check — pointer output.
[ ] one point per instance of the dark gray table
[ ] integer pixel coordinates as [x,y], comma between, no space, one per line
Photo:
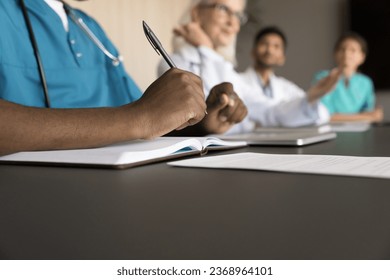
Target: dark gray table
[161,212]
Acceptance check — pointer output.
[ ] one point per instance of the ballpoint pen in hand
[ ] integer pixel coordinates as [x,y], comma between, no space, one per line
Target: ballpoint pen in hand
[157,46]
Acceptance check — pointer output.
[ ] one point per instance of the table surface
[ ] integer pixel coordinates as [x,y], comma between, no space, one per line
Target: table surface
[162,212]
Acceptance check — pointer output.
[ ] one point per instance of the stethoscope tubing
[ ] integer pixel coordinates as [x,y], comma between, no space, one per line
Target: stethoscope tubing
[116,60]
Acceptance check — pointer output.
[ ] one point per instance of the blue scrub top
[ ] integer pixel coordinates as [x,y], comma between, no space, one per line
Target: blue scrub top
[78,74]
[357,97]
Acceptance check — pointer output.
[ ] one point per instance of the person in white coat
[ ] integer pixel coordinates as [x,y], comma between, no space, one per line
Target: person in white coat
[269,52]
[208,33]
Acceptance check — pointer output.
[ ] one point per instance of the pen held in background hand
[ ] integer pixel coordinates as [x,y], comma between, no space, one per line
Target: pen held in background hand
[157,46]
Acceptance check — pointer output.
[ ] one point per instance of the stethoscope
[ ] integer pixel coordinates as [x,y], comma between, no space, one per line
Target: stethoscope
[116,60]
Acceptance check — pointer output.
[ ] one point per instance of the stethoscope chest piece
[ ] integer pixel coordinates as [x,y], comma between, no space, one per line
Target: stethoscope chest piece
[117,61]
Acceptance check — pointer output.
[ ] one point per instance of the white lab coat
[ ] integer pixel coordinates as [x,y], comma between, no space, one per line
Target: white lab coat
[288,107]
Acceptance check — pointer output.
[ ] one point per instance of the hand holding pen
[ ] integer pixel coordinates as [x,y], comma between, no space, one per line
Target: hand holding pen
[156,44]
[224,105]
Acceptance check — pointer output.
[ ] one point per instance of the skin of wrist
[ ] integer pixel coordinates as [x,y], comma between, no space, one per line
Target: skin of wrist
[134,121]
[313,95]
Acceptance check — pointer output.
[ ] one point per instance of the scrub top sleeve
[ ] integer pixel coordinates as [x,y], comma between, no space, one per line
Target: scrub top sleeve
[134,90]
[1,39]
[327,101]
[1,50]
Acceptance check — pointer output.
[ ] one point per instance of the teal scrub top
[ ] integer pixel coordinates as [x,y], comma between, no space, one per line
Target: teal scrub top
[78,74]
[357,97]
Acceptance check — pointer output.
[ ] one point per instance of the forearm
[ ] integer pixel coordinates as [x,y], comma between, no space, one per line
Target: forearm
[366,116]
[323,86]
[292,113]
[314,95]
[30,129]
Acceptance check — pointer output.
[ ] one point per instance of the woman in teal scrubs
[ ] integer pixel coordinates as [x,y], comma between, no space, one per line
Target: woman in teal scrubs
[353,99]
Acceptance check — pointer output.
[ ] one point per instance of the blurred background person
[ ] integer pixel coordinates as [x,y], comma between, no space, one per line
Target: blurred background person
[204,41]
[269,53]
[205,45]
[353,98]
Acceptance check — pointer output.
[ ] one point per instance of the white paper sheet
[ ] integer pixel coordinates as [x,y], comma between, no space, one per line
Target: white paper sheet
[377,167]
[350,126]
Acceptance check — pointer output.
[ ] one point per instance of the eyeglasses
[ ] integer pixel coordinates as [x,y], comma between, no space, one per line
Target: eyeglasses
[224,10]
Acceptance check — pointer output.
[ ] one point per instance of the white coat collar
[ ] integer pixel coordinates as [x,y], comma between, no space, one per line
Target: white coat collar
[194,54]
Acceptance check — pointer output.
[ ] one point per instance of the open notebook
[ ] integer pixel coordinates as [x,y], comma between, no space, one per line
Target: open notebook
[124,155]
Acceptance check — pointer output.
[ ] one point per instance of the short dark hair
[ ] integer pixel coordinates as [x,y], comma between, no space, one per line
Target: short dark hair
[353,36]
[270,30]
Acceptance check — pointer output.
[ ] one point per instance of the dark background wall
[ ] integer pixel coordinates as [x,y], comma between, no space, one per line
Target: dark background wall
[371,19]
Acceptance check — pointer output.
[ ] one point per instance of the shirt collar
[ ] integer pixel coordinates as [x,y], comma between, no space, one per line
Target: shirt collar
[36,6]
[260,79]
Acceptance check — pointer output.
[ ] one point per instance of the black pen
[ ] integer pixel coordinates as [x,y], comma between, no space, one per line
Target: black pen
[156,44]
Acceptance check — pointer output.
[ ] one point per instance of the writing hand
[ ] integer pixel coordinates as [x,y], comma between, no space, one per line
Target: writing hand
[174,101]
